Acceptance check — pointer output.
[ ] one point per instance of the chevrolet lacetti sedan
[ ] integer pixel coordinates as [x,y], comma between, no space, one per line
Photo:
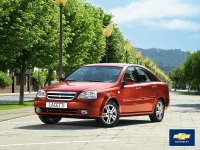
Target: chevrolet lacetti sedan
[104,92]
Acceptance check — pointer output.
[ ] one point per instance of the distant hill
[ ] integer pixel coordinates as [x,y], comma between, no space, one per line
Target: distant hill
[166,60]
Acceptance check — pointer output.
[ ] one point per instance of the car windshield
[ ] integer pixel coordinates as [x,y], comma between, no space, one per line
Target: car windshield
[95,74]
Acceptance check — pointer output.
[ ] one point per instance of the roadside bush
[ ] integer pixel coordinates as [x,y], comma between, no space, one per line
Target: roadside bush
[53,76]
[40,77]
[5,80]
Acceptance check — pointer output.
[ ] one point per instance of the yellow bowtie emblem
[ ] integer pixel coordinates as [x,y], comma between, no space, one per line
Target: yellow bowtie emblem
[181,136]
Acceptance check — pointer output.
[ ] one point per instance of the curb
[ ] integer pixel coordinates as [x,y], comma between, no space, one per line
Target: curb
[10,94]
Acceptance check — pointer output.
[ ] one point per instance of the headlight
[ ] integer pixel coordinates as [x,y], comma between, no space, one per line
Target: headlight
[88,95]
[41,94]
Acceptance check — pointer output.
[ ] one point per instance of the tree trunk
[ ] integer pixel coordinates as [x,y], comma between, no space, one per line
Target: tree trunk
[21,96]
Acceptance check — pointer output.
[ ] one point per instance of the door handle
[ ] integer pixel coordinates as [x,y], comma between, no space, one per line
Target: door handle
[154,87]
[138,88]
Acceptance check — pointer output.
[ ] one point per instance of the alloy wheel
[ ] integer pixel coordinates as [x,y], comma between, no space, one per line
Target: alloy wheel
[159,110]
[109,114]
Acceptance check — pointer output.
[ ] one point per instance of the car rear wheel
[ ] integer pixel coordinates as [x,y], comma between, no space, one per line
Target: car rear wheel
[110,115]
[50,119]
[158,114]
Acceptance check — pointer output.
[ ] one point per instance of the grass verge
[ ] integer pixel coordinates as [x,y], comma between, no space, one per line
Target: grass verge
[16,105]
[188,93]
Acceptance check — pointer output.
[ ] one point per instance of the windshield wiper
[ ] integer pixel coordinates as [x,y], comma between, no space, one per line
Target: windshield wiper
[70,80]
[94,80]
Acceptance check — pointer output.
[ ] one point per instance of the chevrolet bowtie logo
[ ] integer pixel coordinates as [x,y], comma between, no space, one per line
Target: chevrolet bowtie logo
[181,136]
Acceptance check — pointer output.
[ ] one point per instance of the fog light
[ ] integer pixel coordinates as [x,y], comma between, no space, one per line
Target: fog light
[37,110]
[83,111]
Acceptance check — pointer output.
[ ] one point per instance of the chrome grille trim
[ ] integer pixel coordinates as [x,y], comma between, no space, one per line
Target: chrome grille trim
[55,95]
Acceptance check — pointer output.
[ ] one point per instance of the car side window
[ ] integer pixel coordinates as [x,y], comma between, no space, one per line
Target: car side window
[130,73]
[144,75]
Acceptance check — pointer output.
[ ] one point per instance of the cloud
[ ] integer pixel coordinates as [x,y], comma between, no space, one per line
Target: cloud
[171,14]
[174,24]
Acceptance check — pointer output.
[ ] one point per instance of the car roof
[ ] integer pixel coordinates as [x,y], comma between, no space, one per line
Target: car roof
[121,65]
[112,64]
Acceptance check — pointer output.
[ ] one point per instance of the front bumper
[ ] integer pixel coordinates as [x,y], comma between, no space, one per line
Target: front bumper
[74,108]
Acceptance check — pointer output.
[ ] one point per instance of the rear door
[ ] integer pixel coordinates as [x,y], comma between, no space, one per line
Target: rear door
[148,85]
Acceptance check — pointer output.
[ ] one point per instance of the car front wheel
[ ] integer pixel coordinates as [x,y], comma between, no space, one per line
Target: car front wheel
[158,114]
[110,115]
[50,119]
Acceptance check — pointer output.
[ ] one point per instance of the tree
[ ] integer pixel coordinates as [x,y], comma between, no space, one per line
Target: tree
[192,69]
[86,40]
[179,77]
[116,43]
[25,27]
[188,72]
[188,69]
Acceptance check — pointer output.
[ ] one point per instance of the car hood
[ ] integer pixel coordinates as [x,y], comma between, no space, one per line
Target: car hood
[79,86]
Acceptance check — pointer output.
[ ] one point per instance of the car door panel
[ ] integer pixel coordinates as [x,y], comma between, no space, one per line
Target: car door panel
[149,94]
[149,89]
[131,96]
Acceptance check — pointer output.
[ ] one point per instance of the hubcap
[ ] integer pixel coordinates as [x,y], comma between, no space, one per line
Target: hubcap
[109,114]
[159,110]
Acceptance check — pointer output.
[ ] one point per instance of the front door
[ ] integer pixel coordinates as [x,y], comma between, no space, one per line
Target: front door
[131,95]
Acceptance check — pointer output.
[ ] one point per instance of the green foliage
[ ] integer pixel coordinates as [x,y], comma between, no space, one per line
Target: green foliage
[116,43]
[179,77]
[188,72]
[24,26]
[87,44]
[40,77]
[5,80]
[29,37]
[192,69]
[53,76]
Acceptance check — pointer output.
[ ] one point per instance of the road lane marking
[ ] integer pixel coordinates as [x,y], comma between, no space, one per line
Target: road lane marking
[66,142]
[24,131]
[19,122]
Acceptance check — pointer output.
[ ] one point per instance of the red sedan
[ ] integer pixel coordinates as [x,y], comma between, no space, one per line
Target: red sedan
[104,92]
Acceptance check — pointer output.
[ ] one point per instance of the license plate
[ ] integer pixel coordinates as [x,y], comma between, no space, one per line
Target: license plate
[56,105]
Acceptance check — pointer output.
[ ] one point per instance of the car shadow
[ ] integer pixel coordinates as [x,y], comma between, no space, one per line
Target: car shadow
[81,125]
[194,106]
[184,108]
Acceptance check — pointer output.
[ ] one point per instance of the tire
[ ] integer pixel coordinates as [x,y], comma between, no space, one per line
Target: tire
[158,114]
[50,119]
[110,116]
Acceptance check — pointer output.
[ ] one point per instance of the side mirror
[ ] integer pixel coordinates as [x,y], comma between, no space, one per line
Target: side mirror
[128,81]
[61,79]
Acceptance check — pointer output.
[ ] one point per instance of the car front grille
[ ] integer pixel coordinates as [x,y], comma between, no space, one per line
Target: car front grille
[54,95]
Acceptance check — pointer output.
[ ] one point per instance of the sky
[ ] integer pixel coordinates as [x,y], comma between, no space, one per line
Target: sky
[164,24]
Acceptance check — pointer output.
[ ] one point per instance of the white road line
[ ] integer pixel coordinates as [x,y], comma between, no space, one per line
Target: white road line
[19,122]
[8,131]
[27,144]
[24,131]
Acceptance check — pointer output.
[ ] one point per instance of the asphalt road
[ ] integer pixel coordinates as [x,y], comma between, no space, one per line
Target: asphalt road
[5,98]
[131,133]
